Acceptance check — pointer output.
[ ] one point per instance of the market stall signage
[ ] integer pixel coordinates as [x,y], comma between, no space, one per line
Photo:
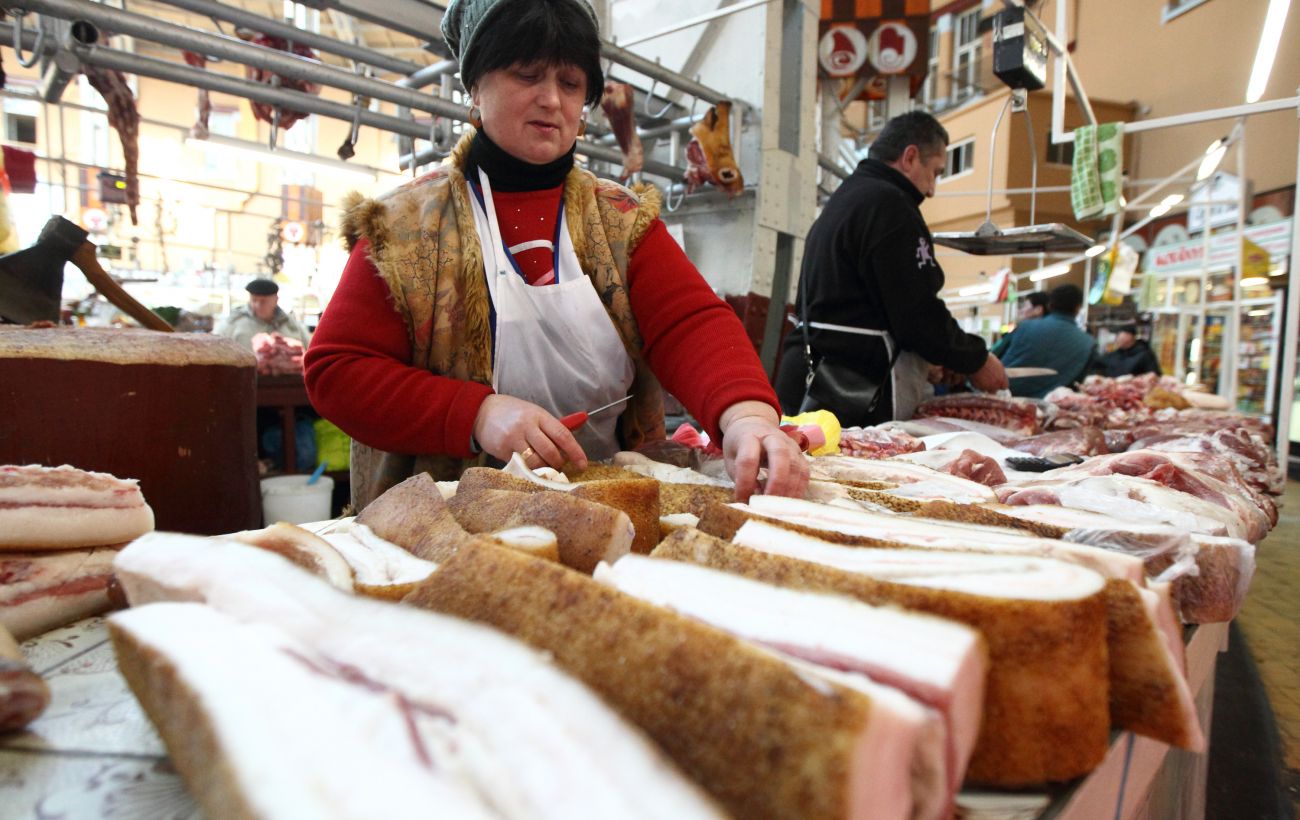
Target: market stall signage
[293,232]
[1275,238]
[871,38]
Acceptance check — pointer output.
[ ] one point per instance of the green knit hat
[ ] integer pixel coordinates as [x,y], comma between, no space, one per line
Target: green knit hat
[463,19]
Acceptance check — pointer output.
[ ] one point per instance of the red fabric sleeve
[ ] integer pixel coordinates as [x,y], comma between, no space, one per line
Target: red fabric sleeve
[693,341]
[359,375]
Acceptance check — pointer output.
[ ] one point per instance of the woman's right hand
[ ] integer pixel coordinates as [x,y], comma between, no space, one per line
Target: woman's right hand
[991,377]
[506,425]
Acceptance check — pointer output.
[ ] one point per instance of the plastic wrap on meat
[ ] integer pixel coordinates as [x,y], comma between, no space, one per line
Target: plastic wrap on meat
[877,442]
[1080,441]
[125,120]
[1254,462]
[277,355]
[617,103]
[264,112]
[200,128]
[1017,415]
[978,467]
[709,157]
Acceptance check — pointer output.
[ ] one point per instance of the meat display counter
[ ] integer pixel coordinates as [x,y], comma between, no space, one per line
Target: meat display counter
[95,754]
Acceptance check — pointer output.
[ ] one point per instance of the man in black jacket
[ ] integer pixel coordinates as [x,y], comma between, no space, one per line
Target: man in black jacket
[1132,356]
[869,284]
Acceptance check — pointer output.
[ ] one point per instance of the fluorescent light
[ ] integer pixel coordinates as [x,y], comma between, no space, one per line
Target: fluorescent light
[1160,210]
[1268,41]
[975,290]
[1213,156]
[1049,272]
[1254,281]
[281,157]
[1095,250]
[1172,200]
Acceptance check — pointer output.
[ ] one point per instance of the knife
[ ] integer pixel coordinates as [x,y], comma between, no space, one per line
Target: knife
[575,420]
[1021,372]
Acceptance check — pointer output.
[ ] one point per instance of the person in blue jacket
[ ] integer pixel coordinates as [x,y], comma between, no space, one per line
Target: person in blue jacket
[1055,341]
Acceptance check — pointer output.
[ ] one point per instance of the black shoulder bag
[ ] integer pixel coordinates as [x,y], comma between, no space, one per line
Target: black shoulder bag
[851,395]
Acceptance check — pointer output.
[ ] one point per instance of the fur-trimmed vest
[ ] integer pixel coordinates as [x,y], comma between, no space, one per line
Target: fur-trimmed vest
[424,245]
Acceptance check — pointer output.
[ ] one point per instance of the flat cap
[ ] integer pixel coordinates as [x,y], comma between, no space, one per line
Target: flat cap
[262,287]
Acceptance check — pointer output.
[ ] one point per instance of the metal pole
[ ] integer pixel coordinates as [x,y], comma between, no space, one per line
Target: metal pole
[216,81]
[1228,358]
[1210,115]
[829,165]
[214,45]
[695,21]
[655,71]
[1291,337]
[265,25]
[428,74]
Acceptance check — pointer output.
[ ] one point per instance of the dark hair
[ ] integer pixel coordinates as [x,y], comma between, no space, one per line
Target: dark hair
[533,31]
[1036,298]
[1132,330]
[1065,299]
[917,128]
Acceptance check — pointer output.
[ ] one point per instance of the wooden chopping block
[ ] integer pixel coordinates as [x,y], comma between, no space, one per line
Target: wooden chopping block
[175,410]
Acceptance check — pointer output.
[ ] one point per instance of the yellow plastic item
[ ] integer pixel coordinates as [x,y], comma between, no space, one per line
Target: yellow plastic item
[332,445]
[824,419]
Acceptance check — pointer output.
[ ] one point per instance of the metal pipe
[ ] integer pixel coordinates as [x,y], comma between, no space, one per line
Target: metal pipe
[1290,338]
[215,45]
[588,149]
[1209,115]
[655,71]
[695,21]
[427,74]
[259,92]
[265,25]
[655,132]
[831,166]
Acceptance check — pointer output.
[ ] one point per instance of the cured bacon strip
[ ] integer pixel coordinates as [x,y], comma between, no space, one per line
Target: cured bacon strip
[40,591]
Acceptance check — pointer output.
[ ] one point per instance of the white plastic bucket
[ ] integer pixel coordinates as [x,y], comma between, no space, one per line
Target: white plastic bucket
[290,498]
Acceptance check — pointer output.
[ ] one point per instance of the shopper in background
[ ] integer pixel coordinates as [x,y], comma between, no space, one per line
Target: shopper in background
[1033,305]
[1132,356]
[262,314]
[509,287]
[870,283]
[1055,341]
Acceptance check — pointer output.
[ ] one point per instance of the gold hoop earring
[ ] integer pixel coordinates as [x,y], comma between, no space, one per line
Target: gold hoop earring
[582,128]
[475,117]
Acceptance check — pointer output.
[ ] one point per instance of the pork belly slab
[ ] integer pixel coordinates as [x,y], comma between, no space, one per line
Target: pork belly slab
[1149,693]
[380,710]
[66,508]
[1045,706]
[767,740]
[40,591]
[939,663]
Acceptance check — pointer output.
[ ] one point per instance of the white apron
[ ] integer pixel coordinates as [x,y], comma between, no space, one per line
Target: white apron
[555,345]
[909,380]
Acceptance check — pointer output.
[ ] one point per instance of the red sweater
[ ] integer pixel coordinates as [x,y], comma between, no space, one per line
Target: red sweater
[358,370]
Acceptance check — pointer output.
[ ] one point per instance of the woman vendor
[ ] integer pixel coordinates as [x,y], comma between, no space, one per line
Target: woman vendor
[509,287]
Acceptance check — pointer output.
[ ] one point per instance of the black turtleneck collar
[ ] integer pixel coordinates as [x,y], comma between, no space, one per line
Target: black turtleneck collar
[510,174]
[882,170]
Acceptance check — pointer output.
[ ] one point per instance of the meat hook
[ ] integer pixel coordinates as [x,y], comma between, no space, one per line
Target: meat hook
[37,47]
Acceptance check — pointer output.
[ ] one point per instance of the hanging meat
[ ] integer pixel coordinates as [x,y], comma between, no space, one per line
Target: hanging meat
[125,120]
[264,112]
[618,104]
[200,127]
[708,154]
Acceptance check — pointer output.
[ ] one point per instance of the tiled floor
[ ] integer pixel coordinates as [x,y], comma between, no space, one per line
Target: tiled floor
[1269,631]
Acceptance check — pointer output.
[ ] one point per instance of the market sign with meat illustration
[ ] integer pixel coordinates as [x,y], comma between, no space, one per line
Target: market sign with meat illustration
[872,40]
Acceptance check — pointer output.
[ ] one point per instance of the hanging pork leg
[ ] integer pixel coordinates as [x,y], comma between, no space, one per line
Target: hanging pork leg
[125,120]
[617,104]
[200,128]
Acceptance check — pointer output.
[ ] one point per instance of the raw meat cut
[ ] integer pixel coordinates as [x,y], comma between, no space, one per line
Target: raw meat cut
[877,442]
[914,481]
[708,155]
[617,103]
[267,113]
[125,120]
[1017,415]
[1079,441]
[200,128]
[977,467]
[277,355]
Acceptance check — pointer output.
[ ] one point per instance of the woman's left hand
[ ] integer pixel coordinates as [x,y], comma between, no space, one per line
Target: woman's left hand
[751,438]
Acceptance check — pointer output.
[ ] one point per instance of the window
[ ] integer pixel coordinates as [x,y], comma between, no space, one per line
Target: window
[961,159]
[1174,8]
[967,48]
[20,128]
[930,92]
[1060,153]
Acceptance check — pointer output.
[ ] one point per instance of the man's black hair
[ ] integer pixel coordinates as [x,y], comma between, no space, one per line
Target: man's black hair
[918,128]
[1036,298]
[1065,299]
[533,31]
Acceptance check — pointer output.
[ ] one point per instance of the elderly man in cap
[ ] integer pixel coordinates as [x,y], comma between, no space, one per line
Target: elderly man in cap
[262,314]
